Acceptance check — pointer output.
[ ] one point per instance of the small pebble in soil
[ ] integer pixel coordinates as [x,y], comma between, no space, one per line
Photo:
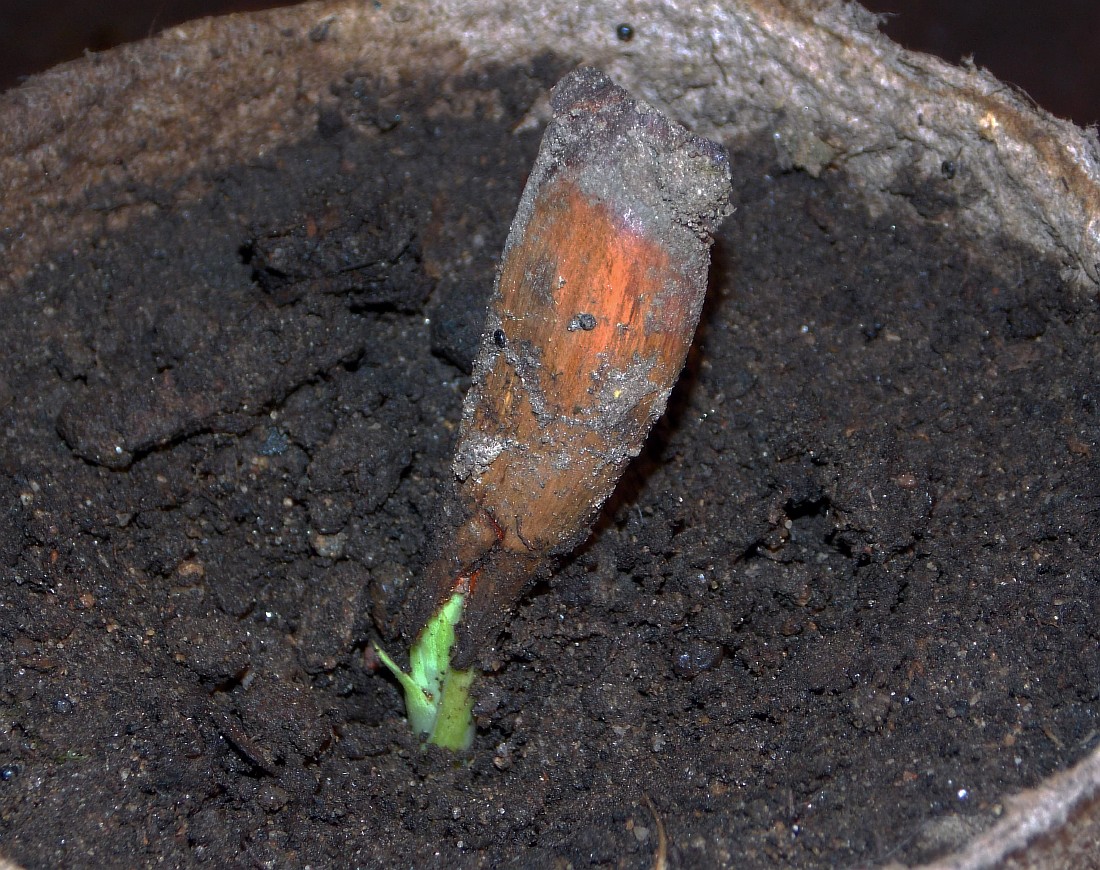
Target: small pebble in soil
[328,546]
[695,657]
[502,759]
[272,798]
[275,444]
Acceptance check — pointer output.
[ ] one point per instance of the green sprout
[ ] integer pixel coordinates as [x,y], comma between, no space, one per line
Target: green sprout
[437,697]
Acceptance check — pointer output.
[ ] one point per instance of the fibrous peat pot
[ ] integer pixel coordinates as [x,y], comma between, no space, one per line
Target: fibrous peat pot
[841,610]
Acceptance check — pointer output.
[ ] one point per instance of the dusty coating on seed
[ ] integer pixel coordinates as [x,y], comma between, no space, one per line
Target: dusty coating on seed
[599,292]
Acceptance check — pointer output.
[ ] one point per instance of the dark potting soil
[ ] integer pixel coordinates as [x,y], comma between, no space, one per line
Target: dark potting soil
[844,603]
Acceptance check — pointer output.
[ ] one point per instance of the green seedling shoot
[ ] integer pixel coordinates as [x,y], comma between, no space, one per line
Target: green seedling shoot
[437,696]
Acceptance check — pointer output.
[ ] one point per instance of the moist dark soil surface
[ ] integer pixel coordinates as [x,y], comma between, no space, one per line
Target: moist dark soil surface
[841,607]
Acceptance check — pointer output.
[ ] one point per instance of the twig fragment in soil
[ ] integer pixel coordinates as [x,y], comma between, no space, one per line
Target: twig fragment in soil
[660,857]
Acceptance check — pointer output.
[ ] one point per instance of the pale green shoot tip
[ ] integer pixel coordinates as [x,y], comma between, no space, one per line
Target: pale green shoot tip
[437,697]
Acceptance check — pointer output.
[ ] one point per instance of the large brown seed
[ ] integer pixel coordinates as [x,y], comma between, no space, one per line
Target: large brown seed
[599,292]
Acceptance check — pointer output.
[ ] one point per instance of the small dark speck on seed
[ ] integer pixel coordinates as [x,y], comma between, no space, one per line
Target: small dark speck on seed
[499,338]
[587,322]
[625,32]
[948,169]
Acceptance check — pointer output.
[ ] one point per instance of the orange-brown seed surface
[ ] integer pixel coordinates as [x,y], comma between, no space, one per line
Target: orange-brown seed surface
[596,303]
